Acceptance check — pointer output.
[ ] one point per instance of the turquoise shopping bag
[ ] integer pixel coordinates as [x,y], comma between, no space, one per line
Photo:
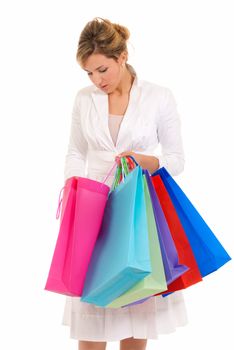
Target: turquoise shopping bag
[121,256]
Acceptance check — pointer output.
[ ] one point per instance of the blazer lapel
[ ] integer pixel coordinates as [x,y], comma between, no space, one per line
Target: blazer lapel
[100,100]
[130,114]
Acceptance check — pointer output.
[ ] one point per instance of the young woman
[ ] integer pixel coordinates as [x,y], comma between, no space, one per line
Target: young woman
[119,115]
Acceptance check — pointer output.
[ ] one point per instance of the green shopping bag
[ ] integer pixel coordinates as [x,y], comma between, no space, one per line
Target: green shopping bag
[155,282]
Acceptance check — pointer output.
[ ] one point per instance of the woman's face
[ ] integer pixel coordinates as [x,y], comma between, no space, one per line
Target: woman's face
[104,72]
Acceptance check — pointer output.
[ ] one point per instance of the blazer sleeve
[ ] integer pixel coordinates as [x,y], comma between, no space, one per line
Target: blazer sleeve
[75,159]
[169,135]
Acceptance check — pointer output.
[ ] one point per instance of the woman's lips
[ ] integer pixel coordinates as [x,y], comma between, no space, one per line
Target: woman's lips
[104,86]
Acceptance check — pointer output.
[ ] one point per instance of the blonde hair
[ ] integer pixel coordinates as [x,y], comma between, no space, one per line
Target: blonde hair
[103,37]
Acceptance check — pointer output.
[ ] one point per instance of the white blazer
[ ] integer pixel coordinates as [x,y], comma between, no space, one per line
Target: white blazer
[151,120]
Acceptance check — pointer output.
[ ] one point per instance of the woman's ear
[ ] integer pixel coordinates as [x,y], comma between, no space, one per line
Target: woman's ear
[123,58]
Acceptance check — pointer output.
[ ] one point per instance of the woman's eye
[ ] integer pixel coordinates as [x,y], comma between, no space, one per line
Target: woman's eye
[104,70]
[100,71]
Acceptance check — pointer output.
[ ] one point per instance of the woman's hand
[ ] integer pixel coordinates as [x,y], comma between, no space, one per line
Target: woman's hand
[137,157]
[150,163]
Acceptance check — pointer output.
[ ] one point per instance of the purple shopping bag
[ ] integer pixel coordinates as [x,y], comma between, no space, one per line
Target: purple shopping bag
[173,269]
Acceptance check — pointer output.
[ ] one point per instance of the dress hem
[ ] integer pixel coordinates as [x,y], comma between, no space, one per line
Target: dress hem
[153,337]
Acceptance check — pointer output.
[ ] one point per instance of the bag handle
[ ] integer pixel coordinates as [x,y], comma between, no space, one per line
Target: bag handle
[59,203]
[123,169]
[109,172]
[144,171]
[62,189]
[134,160]
[117,177]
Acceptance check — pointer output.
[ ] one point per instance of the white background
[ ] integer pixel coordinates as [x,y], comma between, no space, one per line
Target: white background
[184,45]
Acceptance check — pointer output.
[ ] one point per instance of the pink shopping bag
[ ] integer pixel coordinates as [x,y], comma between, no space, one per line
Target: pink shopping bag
[54,281]
[82,212]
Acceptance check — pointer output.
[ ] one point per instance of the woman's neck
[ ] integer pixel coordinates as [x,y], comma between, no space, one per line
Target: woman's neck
[125,84]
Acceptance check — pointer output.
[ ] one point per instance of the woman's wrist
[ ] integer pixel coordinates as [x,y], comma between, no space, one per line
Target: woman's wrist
[150,163]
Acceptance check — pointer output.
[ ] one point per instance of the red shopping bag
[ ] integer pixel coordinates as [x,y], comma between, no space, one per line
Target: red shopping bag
[180,239]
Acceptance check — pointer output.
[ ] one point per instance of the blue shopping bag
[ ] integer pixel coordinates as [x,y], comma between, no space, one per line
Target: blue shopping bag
[121,255]
[208,251]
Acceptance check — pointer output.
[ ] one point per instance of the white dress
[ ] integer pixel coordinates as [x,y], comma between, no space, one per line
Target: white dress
[157,315]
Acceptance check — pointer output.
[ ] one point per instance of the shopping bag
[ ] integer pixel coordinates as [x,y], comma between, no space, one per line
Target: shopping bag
[208,251]
[180,239]
[54,281]
[173,265]
[121,255]
[155,282]
[82,213]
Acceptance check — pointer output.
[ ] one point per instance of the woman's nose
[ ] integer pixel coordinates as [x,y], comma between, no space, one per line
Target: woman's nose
[97,80]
